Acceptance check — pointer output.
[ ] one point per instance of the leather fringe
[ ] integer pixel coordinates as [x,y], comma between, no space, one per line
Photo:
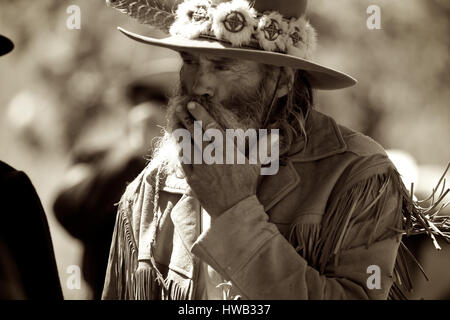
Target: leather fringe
[125,258]
[136,281]
[320,243]
[130,281]
[304,237]
[178,287]
[146,286]
[418,219]
[142,281]
[364,201]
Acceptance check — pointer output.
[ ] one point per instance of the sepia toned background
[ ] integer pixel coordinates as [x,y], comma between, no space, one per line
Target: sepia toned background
[60,87]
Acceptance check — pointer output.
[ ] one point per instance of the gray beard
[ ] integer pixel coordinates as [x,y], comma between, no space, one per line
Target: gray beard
[244,113]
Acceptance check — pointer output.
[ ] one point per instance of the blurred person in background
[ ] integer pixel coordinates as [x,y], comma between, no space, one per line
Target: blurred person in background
[27,260]
[85,202]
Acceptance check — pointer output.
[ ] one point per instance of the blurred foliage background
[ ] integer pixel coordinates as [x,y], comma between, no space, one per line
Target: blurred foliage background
[61,86]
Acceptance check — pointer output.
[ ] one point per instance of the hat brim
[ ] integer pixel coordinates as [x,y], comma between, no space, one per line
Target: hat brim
[320,77]
[6,45]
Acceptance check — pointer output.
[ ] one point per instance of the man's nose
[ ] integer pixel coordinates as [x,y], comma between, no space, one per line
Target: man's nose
[203,85]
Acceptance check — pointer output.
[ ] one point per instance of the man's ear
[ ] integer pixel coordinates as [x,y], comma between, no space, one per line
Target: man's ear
[286,81]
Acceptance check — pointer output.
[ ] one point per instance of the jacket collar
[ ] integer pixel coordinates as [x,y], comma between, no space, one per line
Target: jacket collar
[324,140]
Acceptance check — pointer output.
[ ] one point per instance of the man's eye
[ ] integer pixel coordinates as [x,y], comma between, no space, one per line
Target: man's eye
[189,61]
[222,68]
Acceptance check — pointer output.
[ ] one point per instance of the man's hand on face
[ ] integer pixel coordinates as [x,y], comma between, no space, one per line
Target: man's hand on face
[218,187]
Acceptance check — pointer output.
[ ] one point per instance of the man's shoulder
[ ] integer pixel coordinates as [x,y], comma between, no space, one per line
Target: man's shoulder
[326,139]
[336,153]
[360,144]
[364,156]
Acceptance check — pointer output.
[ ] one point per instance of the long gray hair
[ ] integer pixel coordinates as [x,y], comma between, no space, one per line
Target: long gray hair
[289,112]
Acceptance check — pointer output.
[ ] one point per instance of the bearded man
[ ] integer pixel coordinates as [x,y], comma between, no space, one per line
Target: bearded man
[327,225]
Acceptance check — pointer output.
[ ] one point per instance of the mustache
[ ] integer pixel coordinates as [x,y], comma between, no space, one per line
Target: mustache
[184,96]
[217,110]
[206,101]
[237,101]
[239,110]
[184,99]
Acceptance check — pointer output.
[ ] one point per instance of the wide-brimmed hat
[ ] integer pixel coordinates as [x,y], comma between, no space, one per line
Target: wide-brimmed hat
[274,32]
[6,45]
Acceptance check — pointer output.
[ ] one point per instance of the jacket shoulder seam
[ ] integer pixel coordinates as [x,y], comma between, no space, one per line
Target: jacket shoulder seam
[362,145]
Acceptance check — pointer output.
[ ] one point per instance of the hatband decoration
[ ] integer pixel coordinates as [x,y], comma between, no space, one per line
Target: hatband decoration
[235,22]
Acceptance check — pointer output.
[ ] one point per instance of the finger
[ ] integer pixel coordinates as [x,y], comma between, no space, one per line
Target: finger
[236,146]
[183,142]
[188,152]
[193,125]
[194,128]
[187,169]
[211,126]
[185,119]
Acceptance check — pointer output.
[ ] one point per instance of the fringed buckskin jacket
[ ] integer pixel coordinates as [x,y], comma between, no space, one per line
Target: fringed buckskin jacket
[315,230]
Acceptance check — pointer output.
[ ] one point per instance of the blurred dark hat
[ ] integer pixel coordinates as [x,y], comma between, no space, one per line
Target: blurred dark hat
[6,45]
[155,81]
